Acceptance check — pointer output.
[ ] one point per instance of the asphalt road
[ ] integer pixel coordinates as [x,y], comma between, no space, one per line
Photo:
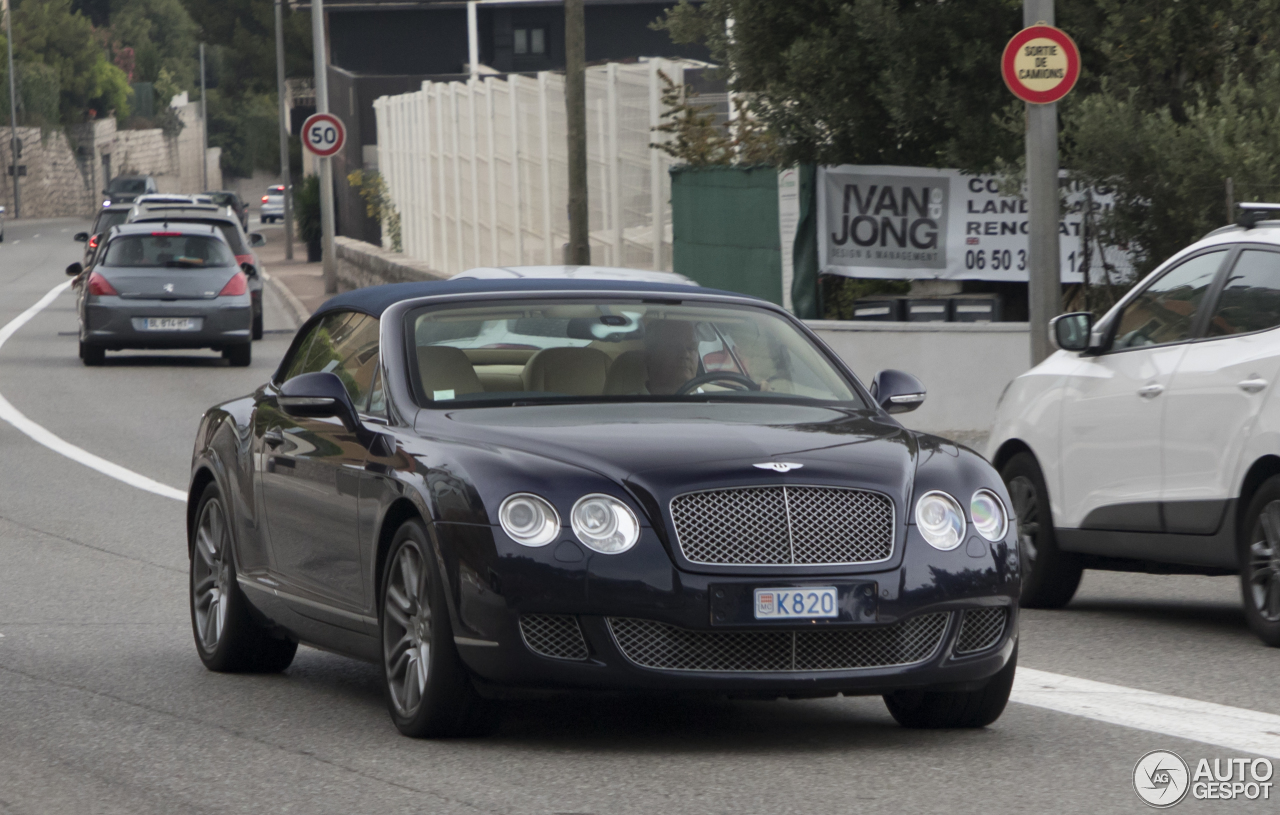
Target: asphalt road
[105,707]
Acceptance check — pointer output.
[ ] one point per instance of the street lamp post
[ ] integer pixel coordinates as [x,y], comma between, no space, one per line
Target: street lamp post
[204,125]
[13,111]
[284,137]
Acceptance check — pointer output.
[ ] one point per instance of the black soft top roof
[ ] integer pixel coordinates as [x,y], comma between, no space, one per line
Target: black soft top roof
[376,299]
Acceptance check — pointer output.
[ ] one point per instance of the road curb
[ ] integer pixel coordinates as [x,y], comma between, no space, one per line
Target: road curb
[299,312]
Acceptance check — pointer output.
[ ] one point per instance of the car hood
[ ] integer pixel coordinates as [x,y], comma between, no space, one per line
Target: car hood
[664,449]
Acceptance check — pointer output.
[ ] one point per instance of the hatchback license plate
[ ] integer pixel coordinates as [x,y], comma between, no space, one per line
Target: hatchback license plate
[796,604]
[170,324]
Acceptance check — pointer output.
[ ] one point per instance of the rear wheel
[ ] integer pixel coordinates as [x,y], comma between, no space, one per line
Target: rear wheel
[1259,553]
[953,709]
[429,690]
[93,355]
[228,639]
[257,325]
[1050,576]
[238,355]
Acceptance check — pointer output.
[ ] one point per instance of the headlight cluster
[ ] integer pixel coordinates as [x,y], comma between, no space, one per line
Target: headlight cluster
[942,522]
[603,523]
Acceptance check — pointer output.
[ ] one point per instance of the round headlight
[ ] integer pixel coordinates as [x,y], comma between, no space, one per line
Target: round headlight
[605,524]
[940,520]
[988,515]
[528,519]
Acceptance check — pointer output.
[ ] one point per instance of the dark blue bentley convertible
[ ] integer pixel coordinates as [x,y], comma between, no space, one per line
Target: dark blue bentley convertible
[489,487]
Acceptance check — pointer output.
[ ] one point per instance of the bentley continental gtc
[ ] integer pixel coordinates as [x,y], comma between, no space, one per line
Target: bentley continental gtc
[492,487]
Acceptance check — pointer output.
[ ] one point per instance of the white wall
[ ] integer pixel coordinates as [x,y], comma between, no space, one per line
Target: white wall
[964,366]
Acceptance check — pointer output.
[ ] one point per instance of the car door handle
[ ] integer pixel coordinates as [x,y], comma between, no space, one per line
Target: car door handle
[1150,391]
[273,437]
[1252,385]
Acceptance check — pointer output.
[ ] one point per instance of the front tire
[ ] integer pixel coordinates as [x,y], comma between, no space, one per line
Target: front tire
[238,355]
[228,639]
[1050,576]
[1259,554]
[429,690]
[934,710]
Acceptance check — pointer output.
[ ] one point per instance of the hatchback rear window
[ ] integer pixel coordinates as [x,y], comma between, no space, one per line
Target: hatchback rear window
[162,250]
[128,185]
[106,220]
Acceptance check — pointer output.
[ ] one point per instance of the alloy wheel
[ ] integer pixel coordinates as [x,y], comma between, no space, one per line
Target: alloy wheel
[406,630]
[211,575]
[1264,564]
[1026,507]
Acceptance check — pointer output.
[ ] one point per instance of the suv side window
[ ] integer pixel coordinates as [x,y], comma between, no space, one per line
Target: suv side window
[1165,312]
[1250,298]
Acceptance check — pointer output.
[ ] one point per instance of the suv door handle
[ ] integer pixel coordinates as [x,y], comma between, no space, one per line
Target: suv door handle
[1252,385]
[1151,391]
[273,437]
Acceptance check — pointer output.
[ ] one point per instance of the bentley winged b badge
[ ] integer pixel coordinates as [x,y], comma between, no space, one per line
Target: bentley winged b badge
[779,466]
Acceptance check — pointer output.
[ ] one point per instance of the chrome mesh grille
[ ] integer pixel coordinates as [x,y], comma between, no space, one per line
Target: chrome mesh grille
[653,644]
[980,629]
[554,635]
[783,526]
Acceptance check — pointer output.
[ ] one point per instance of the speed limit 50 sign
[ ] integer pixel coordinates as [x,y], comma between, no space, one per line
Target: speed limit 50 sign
[323,134]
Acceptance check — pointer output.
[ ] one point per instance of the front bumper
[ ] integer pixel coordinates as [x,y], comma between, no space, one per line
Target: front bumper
[597,594]
[115,323]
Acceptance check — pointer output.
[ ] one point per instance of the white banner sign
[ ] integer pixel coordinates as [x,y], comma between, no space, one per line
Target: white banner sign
[913,223]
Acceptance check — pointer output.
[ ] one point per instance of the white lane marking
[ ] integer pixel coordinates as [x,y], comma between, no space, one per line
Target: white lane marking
[36,433]
[1234,728]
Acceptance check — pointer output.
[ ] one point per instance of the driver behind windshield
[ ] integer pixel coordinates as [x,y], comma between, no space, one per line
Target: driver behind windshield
[670,355]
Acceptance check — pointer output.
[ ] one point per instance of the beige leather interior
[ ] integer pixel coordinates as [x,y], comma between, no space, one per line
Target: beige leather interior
[445,369]
[575,371]
[627,375]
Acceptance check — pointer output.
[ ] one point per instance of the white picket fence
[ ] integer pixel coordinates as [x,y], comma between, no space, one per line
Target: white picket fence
[478,170]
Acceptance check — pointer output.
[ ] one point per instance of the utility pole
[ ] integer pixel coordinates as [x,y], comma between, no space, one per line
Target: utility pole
[13,110]
[1044,281]
[575,103]
[204,125]
[284,136]
[326,164]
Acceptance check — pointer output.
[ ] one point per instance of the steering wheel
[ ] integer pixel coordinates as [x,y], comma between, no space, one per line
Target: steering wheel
[746,382]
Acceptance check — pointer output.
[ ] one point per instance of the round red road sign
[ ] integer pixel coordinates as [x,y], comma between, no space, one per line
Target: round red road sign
[1041,64]
[323,134]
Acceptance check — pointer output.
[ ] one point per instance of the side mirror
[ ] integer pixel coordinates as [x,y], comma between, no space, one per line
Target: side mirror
[1070,332]
[897,391]
[256,239]
[318,395]
[81,237]
[75,270]
[248,269]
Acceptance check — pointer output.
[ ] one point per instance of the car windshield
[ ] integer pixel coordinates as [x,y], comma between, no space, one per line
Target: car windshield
[616,350]
[222,199]
[106,220]
[172,250]
[128,185]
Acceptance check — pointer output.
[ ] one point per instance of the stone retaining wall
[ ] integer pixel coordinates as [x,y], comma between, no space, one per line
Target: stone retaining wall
[362,264]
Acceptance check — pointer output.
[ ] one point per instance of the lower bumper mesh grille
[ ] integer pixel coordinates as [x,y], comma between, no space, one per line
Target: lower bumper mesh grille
[653,644]
[980,629]
[554,635]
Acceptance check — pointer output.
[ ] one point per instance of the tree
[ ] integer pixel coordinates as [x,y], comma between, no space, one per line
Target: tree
[51,33]
[162,36]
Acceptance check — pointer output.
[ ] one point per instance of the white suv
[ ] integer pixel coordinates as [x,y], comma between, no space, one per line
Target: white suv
[1151,441]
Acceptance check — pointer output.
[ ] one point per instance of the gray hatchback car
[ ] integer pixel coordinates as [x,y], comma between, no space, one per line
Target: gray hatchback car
[170,286]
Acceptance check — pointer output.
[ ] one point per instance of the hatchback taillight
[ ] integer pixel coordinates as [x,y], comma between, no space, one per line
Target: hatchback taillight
[264,199]
[93,242]
[99,285]
[238,284]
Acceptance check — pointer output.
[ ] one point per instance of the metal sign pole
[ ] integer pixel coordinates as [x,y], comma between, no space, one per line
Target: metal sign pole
[204,125]
[13,111]
[1044,289]
[285,172]
[326,164]
[575,103]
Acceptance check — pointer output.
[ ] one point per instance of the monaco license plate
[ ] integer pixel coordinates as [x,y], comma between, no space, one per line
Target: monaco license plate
[170,324]
[796,604]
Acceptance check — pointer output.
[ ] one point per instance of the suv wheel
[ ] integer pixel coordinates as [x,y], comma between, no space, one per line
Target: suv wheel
[1050,577]
[1259,554]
